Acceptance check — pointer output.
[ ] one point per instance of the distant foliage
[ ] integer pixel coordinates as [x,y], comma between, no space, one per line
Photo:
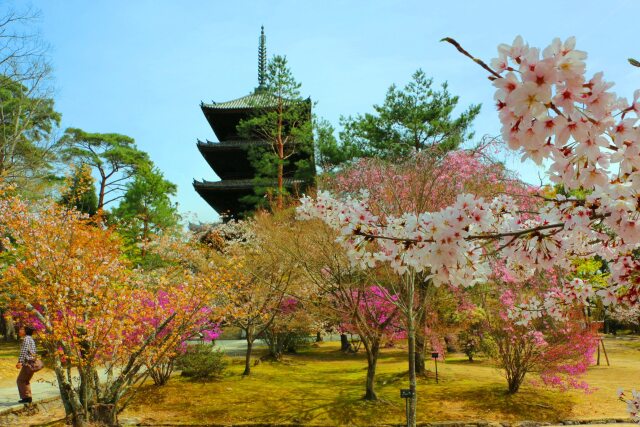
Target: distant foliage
[470,338]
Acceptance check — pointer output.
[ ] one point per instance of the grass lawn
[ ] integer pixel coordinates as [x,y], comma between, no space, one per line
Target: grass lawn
[323,386]
[8,358]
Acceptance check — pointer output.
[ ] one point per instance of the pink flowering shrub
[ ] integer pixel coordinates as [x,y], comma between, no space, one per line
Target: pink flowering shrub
[160,305]
[558,350]
[374,311]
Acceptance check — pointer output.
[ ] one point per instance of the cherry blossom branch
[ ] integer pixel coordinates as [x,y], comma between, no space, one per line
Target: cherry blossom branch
[476,60]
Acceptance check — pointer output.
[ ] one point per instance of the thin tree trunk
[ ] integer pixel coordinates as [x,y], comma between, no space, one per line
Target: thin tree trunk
[145,236]
[103,186]
[421,339]
[421,368]
[280,174]
[318,336]
[247,357]
[411,329]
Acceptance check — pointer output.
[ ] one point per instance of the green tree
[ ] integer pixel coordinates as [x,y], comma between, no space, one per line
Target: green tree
[283,120]
[146,209]
[413,118]
[329,152]
[80,192]
[27,115]
[115,157]
[26,125]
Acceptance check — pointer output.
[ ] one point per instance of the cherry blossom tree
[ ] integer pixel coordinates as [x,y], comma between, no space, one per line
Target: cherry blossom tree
[628,316]
[426,181]
[263,279]
[553,113]
[327,289]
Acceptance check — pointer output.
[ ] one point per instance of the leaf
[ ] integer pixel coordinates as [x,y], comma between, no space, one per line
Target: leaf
[634,62]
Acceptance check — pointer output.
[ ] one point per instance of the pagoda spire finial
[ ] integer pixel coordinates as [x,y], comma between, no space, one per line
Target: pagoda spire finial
[262,60]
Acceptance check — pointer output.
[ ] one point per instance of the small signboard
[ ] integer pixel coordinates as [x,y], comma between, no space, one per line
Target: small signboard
[406,393]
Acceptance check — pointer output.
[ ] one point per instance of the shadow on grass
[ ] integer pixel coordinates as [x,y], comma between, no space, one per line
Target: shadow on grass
[325,386]
[391,378]
[476,362]
[540,404]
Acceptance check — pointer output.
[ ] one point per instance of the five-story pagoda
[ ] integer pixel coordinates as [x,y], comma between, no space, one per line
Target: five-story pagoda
[229,157]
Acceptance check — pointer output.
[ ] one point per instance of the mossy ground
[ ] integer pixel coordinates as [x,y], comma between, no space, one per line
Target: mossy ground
[323,386]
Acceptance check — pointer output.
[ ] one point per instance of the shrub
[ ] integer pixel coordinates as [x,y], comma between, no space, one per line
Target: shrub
[201,361]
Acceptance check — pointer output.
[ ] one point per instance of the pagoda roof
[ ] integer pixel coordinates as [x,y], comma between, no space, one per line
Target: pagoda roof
[257,99]
[226,196]
[239,184]
[229,159]
[224,117]
[232,144]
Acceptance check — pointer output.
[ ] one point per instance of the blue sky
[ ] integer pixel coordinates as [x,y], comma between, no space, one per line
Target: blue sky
[141,67]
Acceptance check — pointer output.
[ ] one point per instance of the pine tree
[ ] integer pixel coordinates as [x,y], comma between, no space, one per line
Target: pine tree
[414,118]
[80,192]
[283,120]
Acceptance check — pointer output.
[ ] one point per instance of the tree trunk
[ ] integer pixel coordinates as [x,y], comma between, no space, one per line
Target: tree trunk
[372,361]
[145,236]
[74,413]
[103,187]
[514,384]
[318,336]
[421,327]
[421,368]
[280,174]
[411,331]
[104,414]
[345,345]
[9,328]
[247,357]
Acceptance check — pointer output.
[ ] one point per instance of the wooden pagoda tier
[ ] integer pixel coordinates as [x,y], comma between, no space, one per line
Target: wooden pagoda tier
[225,196]
[224,117]
[229,159]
